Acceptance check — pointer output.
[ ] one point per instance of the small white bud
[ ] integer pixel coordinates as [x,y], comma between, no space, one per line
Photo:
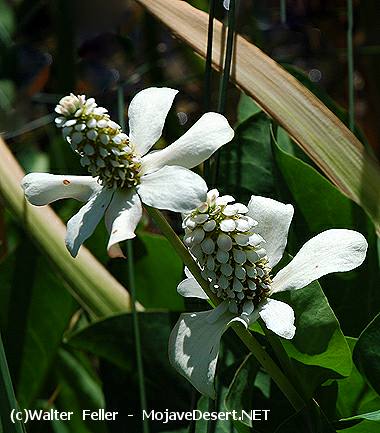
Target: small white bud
[227,225]
[91,123]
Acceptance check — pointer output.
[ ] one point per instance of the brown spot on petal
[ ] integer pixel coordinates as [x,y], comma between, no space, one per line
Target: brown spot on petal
[66,182]
[114,231]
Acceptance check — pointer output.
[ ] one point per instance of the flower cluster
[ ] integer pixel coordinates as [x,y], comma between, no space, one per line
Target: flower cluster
[104,149]
[124,174]
[236,247]
[220,235]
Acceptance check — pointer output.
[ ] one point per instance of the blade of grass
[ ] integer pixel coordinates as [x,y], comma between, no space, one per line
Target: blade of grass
[8,401]
[88,281]
[132,288]
[327,141]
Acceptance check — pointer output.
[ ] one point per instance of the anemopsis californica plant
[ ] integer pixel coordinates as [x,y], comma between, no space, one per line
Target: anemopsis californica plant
[236,248]
[123,173]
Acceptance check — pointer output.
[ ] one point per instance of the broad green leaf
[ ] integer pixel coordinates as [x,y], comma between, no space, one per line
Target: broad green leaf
[369,416]
[48,315]
[158,270]
[327,141]
[246,162]
[319,341]
[354,395]
[363,427]
[320,206]
[240,395]
[247,108]
[78,390]
[319,348]
[112,339]
[367,353]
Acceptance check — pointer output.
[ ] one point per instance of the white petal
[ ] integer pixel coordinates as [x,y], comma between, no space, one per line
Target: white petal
[194,346]
[81,226]
[273,219]
[278,317]
[122,217]
[44,188]
[147,113]
[226,4]
[336,250]
[189,288]
[195,146]
[172,188]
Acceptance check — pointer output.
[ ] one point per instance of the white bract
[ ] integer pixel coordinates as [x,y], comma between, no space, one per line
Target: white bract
[123,174]
[226,4]
[247,242]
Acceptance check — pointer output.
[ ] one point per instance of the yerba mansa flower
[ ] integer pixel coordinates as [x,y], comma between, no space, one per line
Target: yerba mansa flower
[123,175]
[236,248]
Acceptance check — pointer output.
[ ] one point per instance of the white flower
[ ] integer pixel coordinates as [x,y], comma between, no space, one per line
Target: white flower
[243,280]
[123,174]
[226,4]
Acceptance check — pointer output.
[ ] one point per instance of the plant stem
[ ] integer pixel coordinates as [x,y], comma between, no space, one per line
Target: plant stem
[132,287]
[208,75]
[7,397]
[246,337]
[225,78]
[350,64]
[283,11]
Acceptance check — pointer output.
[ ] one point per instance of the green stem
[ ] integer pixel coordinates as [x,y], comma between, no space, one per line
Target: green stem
[225,78]
[350,64]
[132,287]
[8,401]
[246,337]
[208,74]
[283,11]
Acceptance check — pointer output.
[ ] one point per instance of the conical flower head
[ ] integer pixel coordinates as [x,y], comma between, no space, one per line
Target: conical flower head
[231,255]
[104,149]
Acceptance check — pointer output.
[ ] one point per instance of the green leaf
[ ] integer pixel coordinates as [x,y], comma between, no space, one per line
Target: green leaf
[240,396]
[78,390]
[112,340]
[247,108]
[320,206]
[319,348]
[354,395]
[246,162]
[158,270]
[370,416]
[367,353]
[319,342]
[48,315]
